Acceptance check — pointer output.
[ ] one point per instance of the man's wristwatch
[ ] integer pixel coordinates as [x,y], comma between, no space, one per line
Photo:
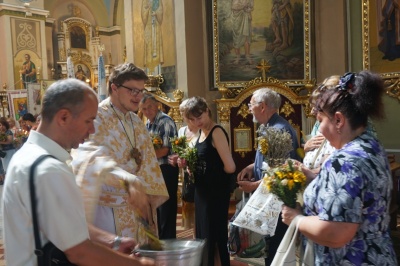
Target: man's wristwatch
[117,243]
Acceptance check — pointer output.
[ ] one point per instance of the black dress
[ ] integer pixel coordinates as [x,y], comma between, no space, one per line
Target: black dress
[212,199]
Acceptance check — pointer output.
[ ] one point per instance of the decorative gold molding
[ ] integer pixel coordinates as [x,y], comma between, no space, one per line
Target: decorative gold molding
[244,111]
[79,57]
[287,109]
[392,79]
[365,33]
[234,97]
[223,111]
[173,104]
[393,88]
[78,22]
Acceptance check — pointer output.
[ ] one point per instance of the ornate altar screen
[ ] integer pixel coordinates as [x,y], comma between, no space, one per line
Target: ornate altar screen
[234,114]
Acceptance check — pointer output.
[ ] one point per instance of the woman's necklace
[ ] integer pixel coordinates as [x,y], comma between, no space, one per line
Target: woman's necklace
[134,152]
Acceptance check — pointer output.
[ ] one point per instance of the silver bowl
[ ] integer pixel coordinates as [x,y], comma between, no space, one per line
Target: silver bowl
[176,253]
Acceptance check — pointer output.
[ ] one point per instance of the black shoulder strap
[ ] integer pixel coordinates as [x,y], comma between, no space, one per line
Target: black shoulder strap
[223,130]
[38,245]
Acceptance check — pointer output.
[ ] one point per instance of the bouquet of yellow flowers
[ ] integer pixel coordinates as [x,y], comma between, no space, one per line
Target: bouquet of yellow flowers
[181,147]
[157,141]
[286,182]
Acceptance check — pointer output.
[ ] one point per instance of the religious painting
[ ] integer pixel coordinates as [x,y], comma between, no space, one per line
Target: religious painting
[381,36]
[154,39]
[26,43]
[78,37]
[82,72]
[18,103]
[245,32]
[34,98]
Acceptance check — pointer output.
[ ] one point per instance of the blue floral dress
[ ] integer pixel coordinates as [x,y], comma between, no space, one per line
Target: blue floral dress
[354,186]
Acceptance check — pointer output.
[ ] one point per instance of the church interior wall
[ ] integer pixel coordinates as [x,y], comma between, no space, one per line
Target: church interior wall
[50,39]
[330,38]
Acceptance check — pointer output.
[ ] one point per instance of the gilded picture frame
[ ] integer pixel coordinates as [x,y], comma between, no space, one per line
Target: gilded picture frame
[236,53]
[18,103]
[381,29]
[242,140]
[78,33]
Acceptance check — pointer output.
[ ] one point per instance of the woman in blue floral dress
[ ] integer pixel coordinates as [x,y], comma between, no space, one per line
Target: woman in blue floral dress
[347,204]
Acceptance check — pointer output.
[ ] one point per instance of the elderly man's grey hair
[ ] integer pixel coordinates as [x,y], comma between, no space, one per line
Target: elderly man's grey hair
[269,97]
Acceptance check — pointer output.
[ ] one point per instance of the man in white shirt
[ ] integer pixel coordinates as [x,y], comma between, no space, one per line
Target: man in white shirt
[69,108]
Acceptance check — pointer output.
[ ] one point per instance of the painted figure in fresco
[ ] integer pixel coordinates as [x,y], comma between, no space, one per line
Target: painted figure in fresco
[241,28]
[282,25]
[28,71]
[152,17]
[389,30]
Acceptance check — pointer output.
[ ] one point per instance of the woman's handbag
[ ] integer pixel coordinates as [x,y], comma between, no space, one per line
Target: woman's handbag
[290,251]
[49,255]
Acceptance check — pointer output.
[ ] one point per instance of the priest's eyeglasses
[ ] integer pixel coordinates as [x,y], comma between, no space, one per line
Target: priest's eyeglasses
[133,92]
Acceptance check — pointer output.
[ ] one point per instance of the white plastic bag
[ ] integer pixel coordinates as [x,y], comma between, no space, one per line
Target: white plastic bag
[261,212]
[290,252]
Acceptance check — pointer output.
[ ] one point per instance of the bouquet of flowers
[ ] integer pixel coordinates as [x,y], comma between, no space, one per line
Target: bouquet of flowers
[181,147]
[20,137]
[190,156]
[3,137]
[157,141]
[275,144]
[285,182]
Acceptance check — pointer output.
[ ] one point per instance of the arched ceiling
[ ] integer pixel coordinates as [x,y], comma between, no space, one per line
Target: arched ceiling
[98,12]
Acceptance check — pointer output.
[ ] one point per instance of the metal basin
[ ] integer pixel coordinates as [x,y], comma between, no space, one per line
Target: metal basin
[176,253]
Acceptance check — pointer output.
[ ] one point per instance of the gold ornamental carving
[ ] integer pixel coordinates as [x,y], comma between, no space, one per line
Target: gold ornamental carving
[175,114]
[154,81]
[287,109]
[223,90]
[81,57]
[178,95]
[393,89]
[243,110]
[223,112]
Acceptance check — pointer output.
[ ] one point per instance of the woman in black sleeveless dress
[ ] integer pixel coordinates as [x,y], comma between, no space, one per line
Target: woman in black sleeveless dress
[212,194]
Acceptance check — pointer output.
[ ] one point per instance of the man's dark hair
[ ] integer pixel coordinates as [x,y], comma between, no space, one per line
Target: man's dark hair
[64,94]
[29,117]
[125,72]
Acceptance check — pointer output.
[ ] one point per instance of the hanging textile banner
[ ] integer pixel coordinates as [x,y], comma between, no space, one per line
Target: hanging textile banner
[70,68]
[102,90]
